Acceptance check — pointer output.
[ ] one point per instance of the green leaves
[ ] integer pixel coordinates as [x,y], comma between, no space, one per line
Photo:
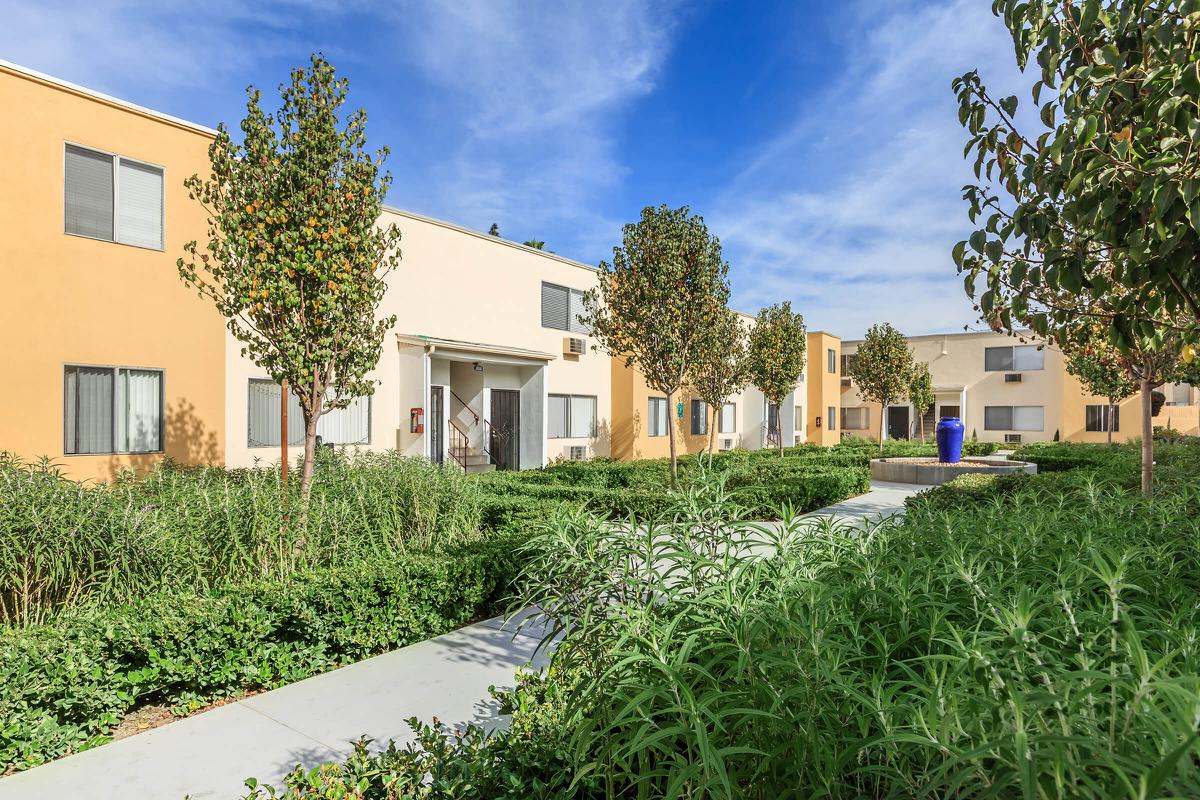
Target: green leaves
[778,345]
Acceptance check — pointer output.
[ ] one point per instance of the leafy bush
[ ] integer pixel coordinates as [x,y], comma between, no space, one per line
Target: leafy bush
[1061,456]
[63,543]
[64,685]
[1038,643]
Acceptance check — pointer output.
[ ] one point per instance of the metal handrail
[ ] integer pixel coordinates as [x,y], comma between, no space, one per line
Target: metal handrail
[454,448]
[488,429]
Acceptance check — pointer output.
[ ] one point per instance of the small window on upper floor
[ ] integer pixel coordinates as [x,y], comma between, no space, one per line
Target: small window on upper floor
[832,360]
[113,198]
[561,307]
[1014,359]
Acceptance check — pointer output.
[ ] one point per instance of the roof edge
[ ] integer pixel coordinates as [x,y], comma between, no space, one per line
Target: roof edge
[116,102]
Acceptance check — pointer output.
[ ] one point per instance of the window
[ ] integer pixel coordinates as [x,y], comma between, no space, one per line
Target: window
[831,361]
[570,416]
[561,308]
[112,198]
[1098,418]
[949,411]
[349,425]
[1014,359]
[832,418]
[1178,394]
[112,410]
[728,421]
[699,418]
[799,423]
[1013,418]
[657,425]
[848,362]
[856,419]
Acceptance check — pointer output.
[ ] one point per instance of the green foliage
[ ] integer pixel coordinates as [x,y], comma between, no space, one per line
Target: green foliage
[295,259]
[658,303]
[776,353]
[920,392]
[883,367]
[1102,371]
[1009,637]
[1105,195]
[721,370]
[64,685]
[63,543]
[536,244]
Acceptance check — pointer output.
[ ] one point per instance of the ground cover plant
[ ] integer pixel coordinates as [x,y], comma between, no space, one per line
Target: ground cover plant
[1027,636]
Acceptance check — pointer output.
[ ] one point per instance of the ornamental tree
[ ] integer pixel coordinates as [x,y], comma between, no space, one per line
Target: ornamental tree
[656,304]
[776,353]
[1102,370]
[294,258]
[883,369]
[1103,191]
[920,392]
[722,371]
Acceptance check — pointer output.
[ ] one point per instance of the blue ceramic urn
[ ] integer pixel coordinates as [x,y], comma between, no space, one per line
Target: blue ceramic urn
[949,440]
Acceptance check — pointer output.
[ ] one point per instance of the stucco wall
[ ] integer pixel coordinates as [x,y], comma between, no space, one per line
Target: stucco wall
[466,286]
[73,300]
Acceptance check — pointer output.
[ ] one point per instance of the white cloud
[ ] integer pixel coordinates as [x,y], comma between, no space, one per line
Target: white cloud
[851,212]
[534,94]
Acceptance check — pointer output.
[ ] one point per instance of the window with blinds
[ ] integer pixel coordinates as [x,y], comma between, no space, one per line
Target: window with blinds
[112,410]
[570,416]
[699,418]
[1014,359]
[657,417]
[112,198]
[727,423]
[856,419]
[1013,418]
[349,425]
[561,308]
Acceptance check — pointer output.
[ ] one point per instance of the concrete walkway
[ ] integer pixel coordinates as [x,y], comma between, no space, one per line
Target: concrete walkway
[211,754]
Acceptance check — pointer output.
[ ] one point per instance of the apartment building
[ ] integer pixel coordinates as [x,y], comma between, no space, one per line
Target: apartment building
[1006,389]
[747,420]
[113,362]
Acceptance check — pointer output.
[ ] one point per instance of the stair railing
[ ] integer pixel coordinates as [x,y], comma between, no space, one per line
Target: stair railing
[490,433]
[459,445]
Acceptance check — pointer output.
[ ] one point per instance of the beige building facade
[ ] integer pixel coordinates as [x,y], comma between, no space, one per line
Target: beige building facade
[1009,390]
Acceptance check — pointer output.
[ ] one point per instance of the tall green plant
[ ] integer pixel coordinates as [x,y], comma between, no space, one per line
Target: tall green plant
[883,369]
[1102,371]
[776,353]
[294,258]
[721,371]
[920,392]
[657,302]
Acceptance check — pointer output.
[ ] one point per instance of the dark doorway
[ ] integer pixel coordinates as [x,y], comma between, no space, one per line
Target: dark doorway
[897,422]
[505,440]
[437,423]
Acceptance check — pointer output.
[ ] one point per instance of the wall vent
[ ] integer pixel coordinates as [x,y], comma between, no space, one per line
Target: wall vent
[577,452]
[1012,377]
[1012,438]
[574,346]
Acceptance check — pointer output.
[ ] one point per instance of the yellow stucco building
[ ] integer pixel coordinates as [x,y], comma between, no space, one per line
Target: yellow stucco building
[114,362]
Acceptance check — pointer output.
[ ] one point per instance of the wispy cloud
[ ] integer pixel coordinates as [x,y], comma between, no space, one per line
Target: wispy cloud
[537,92]
[852,210]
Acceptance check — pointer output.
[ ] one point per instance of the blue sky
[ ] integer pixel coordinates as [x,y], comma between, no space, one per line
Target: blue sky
[819,140]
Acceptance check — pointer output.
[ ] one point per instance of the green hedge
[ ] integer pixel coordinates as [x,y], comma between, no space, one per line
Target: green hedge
[64,685]
[1063,456]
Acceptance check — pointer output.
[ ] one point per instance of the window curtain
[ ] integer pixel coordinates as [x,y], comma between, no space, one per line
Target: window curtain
[89,410]
[556,416]
[264,416]
[583,417]
[140,216]
[139,421]
[349,425]
[1027,418]
[1028,357]
[89,193]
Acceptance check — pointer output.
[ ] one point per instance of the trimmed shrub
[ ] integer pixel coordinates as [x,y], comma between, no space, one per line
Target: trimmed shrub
[66,684]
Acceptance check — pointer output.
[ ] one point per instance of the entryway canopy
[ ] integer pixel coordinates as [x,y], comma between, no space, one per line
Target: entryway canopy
[457,350]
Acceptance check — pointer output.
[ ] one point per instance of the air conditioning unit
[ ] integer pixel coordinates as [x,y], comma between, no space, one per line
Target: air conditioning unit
[1012,377]
[725,443]
[577,452]
[574,346]
[1012,438]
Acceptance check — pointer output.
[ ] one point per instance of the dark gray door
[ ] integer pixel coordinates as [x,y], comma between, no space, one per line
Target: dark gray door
[897,422]
[505,444]
[437,423]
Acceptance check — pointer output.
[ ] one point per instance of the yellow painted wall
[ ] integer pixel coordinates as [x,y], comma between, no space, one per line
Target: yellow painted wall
[824,388]
[72,300]
[631,405]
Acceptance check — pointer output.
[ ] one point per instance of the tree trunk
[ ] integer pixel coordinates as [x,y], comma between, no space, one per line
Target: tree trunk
[712,432]
[1147,440]
[921,424]
[671,437]
[882,417]
[306,474]
[1109,425]
[779,425]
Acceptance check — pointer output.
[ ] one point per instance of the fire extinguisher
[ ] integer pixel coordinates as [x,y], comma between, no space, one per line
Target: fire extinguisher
[416,420]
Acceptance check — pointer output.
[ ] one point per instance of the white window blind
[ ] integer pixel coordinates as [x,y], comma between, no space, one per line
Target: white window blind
[1027,418]
[113,410]
[657,421]
[557,409]
[855,419]
[728,420]
[89,410]
[583,416]
[89,192]
[1013,418]
[556,301]
[350,425]
[798,425]
[140,213]
[832,418]
[577,309]
[1028,357]
[139,411]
